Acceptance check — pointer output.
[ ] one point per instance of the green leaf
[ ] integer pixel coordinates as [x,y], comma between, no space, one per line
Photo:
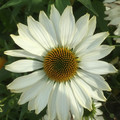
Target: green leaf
[88,4]
[102,23]
[11,3]
[36,1]
[23,111]
[61,4]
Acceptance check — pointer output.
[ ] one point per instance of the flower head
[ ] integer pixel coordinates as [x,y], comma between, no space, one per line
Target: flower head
[113,12]
[64,58]
[96,113]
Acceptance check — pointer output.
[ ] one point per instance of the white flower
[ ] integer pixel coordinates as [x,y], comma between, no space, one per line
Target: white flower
[99,113]
[113,12]
[65,59]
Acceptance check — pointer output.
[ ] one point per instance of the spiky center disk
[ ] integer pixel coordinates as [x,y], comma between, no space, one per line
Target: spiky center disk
[60,64]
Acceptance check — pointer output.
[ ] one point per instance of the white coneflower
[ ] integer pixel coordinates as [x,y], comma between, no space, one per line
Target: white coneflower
[96,113]
[64,58]
[99,113]
[113,12]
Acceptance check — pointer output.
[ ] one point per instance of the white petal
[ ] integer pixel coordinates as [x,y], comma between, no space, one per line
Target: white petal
[42,99]
[18,90]
[33,91]
[26,80]
[81,96]
[26,35]
[117,31]
[99,118]
[115,21]
[23,30]
[98,67]
[67,26]
[82,27]
[95,80]
[62,103]
[21,66]
[75,108]
[92,91]
[109,1]
[22,53]
[96,54]
[55,18]
[40,34]
[28,44]
[97,104]
[98,112]
[91,26]
[31,104]
[44,20]
[92,42]
[51,103]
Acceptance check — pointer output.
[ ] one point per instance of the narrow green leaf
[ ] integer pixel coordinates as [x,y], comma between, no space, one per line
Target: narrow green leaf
[61,4]
[36,1]
[11,3]
[88,4]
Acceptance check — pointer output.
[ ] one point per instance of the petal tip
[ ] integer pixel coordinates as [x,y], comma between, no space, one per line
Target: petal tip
[36,112]
[107,33]
[113,47]
[87,14]
[8,86]
[29,18]
[18,25]
[11,35]
[5,52]
[7,67]
[109,89]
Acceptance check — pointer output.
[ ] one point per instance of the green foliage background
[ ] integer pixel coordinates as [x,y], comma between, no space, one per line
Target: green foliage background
[15,11]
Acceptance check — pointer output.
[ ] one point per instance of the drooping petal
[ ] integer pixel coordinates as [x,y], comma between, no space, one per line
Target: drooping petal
[91,26]
[91,90]
[55,18]
[75,108]
[67,26]
[21,66]
[31,104]
[92,42]
[95,80]
[28,44]
[96,54]
[26,80]
[97,67]
[81,96]
[62,103]
[18,90]
[33,91]
[52,102]
[82,27]
[22,53]
[42,99]
[48,25]
[40,34]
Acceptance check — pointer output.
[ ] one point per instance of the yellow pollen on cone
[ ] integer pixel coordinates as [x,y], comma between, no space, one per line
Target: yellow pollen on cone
[60,64]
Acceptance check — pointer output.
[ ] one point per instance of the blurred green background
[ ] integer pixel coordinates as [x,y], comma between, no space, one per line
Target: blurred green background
[16,11]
